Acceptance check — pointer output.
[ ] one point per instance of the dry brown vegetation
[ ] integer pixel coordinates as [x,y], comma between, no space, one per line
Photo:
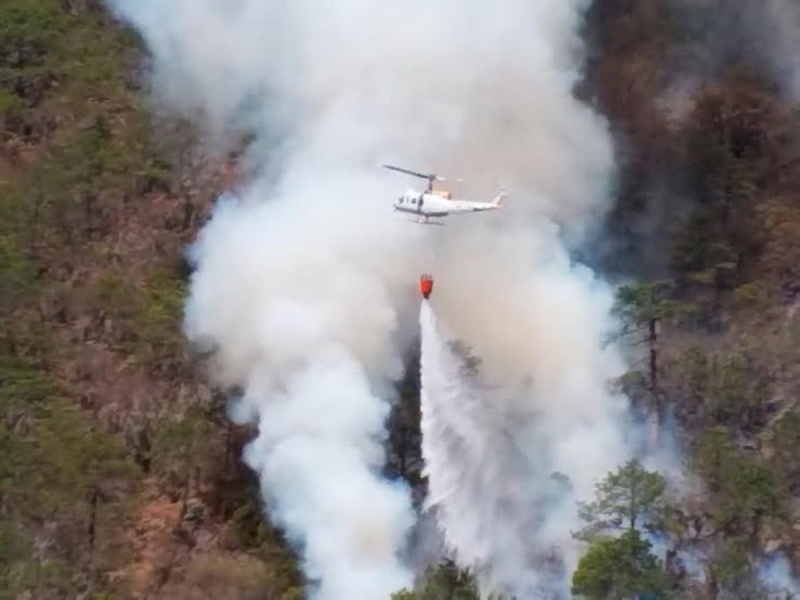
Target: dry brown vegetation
[119,473]
[708,194]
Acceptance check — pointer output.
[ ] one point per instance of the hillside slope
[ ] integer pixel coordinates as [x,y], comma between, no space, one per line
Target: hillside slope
[119,470]
[120,473]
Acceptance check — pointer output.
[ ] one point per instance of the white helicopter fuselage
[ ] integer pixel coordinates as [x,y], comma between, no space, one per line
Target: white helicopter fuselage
[441,204]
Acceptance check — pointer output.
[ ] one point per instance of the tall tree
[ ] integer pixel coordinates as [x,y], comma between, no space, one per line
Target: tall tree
[745,489]
[785,443]
[642,308]
[444,582]
[626,499]
[732,389]
[185,451]
[623,567]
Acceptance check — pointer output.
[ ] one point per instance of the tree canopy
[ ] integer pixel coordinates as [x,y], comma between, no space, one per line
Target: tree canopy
[628,498]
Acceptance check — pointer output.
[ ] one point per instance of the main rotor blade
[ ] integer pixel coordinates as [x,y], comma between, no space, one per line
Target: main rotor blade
[422,175]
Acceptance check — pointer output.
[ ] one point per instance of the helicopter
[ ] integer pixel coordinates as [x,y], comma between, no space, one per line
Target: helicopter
[437,203]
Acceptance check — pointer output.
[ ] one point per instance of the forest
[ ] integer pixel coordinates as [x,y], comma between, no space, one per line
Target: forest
[120,472]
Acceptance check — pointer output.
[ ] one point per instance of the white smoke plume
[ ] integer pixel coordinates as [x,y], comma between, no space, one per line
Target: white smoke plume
[726,33]
[776,574]
[481,485]
[775,35]
[304,283]
[300,321]
[505,467]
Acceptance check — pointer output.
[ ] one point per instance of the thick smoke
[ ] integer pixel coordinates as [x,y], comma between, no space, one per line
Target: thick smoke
[302,321]
[721,34]
[304,282]
[782,29]
[505,466]
[776,575]
[481,484]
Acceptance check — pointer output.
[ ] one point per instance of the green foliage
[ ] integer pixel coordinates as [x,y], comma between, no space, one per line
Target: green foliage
[11,108]
[114,293]
[255,533]
[154,173]
[30,23]
[626,498]
[699,248]
[620,567]
[754,294]
[150,314]
[780,258]
[734,574]
[785,444]
[615,567]
[186,449]
[638,304]
[404,452]
[724,389]
[734,136]
[248,520]
[725,192]
[248,528]
[213,577]
[84,174]
[745,488]
[56,469]
[159,319]
[66,102]
[641,308]
[102,145]
[29,32]
[446,581]
[17,271]
[41,41]
[79,154]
